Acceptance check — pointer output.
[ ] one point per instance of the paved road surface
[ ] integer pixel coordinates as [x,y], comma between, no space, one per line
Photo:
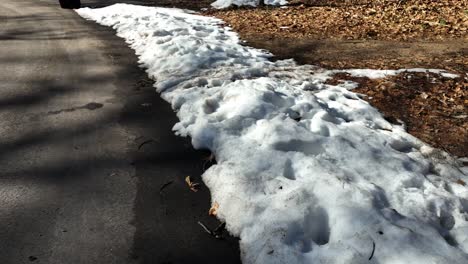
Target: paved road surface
[74,187]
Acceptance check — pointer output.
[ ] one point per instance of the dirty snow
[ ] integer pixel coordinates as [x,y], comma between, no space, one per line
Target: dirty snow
[377,74]
[226,3]
[307,172]
[323,75]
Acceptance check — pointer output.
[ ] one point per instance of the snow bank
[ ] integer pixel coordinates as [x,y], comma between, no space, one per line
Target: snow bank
[377,74]
[226,3]
[307,172]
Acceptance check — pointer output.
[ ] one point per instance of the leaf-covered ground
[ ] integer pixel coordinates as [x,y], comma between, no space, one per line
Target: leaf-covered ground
[432,108]
[383,20]
[386,34]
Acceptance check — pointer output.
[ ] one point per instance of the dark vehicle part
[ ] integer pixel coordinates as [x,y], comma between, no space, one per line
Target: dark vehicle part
[70,4]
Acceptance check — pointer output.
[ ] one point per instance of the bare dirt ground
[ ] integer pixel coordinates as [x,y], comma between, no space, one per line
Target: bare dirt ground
[379,35]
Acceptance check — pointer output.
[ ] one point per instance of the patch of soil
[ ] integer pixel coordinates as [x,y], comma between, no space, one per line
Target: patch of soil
[344,54]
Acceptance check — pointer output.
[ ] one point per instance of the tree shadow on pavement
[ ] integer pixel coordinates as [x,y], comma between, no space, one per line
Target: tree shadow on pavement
[66,168]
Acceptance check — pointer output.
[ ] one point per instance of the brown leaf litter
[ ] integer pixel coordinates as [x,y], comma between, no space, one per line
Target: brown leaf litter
[382,20]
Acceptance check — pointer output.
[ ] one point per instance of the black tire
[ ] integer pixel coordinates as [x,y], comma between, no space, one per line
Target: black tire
[70,4]
[64,4]
[75,4]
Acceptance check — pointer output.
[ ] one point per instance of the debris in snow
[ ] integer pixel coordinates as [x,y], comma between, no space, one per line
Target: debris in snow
[373,250]
[461,182]
[312,190]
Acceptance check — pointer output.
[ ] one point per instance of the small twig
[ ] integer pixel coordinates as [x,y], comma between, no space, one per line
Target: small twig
[144,143]
[220,228]
[164,186]
[216,233]
[205,228]
[373,250]
[138,138]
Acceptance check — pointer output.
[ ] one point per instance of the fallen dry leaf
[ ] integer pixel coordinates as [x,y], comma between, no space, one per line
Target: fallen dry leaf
[461,182]
[192,185]
[214,209]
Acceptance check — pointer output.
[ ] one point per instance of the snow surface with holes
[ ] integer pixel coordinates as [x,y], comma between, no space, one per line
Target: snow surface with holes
[306,172]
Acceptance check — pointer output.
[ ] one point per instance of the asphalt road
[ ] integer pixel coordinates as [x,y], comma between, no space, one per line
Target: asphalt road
[85,146]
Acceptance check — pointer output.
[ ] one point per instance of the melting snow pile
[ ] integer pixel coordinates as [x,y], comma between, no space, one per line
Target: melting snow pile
[307,172]
[226,3]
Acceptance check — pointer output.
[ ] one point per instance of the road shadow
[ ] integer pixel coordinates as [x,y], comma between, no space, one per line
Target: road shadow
[53,163]
[166,211]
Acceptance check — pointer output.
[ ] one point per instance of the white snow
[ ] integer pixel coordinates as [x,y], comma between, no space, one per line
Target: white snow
[226,3]
[322,75]
[307,172]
